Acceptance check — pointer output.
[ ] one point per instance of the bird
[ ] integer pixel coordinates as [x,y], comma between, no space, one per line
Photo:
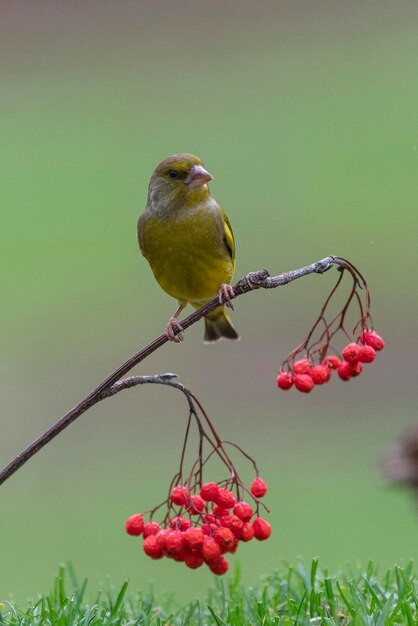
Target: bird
[186,237]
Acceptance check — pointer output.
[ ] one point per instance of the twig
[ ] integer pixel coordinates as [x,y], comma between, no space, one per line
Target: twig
[112,384]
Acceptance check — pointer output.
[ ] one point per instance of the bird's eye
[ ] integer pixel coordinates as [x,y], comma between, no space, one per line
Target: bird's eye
[173,174]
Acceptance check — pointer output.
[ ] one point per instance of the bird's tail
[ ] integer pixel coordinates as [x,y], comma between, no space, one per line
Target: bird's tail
[217,325]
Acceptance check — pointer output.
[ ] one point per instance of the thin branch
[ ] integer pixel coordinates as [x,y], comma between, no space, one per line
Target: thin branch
[112,384]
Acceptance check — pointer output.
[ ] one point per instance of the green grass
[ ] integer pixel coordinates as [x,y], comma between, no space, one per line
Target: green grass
[295,595]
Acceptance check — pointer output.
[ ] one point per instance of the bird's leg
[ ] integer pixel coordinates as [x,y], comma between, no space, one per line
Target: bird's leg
[225,294]
[173,325]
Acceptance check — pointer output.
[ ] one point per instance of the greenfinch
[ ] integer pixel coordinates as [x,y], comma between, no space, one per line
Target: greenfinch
[188,241]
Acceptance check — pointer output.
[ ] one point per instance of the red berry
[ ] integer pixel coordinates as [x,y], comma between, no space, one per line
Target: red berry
[180,556]
[134,525]
[225,499]
[304,383]
[366,354]
[247,532]
[302,366]
[161,539]
[243,510]
[209,491]
[152,528]
[224,537]
[345,371]
[219,511]
[193,560]
[234,523]
[285,380]
[209,529]
[332,361]
[219,566]
[210,549]
[234,547]
[258,487]
[174,542]
[356,369]
[320,374]
[195,505]
[180,495]
[378,343]
[262,529]
[371,338]
[193,538]
[350,353]
[151,547]
[180,523]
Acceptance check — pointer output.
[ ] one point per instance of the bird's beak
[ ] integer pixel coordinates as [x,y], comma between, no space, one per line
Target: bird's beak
[198,176]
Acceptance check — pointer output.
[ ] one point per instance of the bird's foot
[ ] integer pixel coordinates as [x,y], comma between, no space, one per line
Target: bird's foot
[225,294]
[173,325]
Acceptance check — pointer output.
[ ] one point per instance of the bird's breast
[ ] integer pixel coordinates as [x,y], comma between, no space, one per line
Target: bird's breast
[187,255]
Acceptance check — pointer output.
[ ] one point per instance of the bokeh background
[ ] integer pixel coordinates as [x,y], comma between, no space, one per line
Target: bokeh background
[306,114]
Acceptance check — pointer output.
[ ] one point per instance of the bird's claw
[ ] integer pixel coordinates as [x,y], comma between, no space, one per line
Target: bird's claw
[173,325]
[225,294]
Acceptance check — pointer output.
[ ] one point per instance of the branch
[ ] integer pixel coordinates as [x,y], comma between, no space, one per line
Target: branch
[112,384]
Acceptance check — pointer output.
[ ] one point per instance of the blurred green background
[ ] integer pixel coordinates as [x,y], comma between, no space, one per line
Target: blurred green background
[306,114]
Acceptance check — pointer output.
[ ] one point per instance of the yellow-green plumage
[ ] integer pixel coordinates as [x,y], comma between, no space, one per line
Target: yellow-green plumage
[188,241]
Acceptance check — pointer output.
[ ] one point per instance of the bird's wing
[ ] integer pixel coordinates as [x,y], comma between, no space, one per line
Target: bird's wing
[141,224]
[228,235]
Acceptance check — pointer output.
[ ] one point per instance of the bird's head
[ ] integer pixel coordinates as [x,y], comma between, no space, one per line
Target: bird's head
[180,180]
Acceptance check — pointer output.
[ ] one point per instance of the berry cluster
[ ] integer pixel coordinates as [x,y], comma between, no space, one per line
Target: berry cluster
[304,374]
[203,527]
[321,345]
